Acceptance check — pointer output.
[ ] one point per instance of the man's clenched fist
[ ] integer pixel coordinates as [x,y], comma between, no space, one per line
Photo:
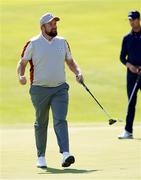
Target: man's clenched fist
[22,80]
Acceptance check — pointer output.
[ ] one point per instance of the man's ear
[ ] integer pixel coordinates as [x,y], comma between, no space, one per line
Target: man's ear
[43,28]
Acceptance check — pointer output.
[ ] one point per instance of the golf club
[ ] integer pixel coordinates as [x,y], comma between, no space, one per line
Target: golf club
[133,91]
[111,121]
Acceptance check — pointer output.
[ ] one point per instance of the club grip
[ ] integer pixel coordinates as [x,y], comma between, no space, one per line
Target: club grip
[83,84]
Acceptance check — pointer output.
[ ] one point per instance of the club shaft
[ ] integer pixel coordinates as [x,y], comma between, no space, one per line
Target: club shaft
[133,91]
[96,100]
[135,86]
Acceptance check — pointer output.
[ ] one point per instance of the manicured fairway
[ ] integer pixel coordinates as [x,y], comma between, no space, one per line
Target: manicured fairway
[94,30]
[99,154]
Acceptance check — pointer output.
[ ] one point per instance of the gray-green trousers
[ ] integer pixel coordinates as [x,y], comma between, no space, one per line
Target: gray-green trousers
[57,98]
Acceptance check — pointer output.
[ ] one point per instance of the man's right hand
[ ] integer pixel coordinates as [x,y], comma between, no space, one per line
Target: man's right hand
[132,68]
[22,80]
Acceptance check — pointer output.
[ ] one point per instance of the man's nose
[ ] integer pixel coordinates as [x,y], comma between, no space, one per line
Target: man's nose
[54,26]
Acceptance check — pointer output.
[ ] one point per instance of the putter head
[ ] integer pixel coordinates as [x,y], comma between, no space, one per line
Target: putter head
[112,121]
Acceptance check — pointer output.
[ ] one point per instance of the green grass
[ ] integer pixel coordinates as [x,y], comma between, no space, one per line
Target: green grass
[102,156]
[94,29]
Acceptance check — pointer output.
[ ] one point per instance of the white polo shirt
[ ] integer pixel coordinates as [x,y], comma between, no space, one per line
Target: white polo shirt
[46,58]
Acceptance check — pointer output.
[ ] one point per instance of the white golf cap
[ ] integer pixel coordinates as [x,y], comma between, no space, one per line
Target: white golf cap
[46,18]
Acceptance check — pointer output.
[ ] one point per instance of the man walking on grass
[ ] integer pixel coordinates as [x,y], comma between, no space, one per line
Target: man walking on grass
[131,57]
[47,54]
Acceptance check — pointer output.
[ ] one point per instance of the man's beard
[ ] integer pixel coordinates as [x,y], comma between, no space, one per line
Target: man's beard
[52,33]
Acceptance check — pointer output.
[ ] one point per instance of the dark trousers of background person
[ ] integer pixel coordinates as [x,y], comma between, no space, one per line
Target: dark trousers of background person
[131,80]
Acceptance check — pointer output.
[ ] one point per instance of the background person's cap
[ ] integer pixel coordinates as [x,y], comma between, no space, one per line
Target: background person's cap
[46,18]
[133,15]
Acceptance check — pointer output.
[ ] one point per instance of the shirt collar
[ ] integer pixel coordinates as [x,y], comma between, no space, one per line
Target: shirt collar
[50,42]
[136,33]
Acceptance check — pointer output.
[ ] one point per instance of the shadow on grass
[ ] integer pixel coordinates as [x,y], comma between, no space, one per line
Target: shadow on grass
[68,170]
[130,139]
[139,139]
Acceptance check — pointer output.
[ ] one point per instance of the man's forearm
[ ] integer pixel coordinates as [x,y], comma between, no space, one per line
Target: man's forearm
[124,52]
[21,68]
[123,58]
[73,67]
